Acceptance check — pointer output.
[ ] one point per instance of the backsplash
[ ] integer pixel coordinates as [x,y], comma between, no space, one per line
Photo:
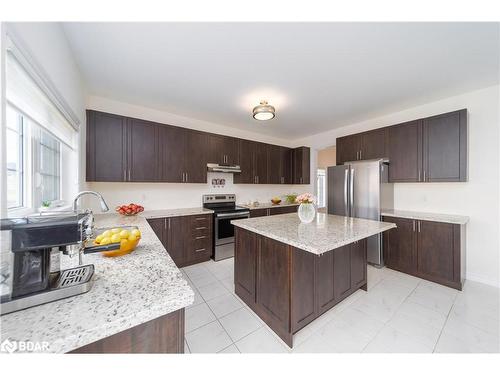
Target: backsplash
[167,195]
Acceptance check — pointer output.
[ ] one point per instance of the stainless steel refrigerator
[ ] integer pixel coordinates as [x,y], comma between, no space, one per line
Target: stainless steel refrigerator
[361,189]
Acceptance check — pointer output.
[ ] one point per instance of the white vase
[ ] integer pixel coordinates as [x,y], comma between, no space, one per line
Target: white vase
[307,212]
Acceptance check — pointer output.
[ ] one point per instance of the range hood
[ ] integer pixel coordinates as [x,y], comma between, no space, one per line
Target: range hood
[223,168]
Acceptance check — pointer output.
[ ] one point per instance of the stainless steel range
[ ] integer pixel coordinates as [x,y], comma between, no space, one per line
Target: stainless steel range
[225,210]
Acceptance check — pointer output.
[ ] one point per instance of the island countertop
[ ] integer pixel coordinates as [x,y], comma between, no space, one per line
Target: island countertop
[325,233]
[127,291]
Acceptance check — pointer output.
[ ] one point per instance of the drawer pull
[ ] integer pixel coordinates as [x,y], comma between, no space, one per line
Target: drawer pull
[201,218]
[200,250]
[200,237]
[201,228]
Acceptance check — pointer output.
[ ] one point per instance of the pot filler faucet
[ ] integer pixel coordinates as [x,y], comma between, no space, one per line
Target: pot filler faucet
[90,221]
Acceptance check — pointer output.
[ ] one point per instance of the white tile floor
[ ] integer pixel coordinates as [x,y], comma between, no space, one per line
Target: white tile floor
[398,313]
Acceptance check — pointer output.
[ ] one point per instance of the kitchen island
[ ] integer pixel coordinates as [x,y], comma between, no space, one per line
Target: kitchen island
[136,303]
[289,273]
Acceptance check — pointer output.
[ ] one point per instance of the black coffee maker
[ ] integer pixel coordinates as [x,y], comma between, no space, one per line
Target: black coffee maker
[34,276]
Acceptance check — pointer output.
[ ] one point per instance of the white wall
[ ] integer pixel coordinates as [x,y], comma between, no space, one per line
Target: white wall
[169,195]
[478,198]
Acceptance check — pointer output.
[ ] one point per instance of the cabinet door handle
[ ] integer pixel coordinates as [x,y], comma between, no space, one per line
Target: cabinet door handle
[419,226]
[129,175]
[424,175]
[199,228]
[168,223]
[200,237]
[124,175]
[414,225]
[165,224]
[198,250]
[201,218]
[419,175]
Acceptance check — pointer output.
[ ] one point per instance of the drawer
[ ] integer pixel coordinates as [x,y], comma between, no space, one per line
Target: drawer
[199,249]
[200,222]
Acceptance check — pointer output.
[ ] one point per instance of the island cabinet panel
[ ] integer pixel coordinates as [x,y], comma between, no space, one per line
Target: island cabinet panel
[245,265]
[273,282]
[288,287]
[106,147]
[143,154]
[325,281]
[161,335]
[430,250]
[342,271]
[158,226]
[303,304]
[445,147]
[358,264]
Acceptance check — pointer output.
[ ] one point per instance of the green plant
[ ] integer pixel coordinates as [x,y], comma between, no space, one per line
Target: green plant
[46,204]
[290,198]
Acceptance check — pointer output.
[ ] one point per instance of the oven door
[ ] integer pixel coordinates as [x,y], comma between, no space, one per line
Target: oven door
[224,230]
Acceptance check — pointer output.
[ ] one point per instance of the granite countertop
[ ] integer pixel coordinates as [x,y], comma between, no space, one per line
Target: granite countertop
[267,205]
[325,233]
[151,214]
[444,218]
[127,291]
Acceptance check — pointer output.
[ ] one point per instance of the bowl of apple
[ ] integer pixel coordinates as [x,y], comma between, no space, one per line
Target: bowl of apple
[131,209]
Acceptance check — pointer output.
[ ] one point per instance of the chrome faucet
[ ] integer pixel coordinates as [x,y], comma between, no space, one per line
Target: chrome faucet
[104,206]
[89,222]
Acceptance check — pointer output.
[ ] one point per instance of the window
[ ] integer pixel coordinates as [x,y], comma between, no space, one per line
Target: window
[31,151]
[41,140]
[321,186]
[48,165]
[15,159]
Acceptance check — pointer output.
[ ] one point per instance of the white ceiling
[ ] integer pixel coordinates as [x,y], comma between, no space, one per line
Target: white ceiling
[318,75]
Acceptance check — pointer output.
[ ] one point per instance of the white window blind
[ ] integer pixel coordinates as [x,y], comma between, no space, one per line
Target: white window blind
[25,95]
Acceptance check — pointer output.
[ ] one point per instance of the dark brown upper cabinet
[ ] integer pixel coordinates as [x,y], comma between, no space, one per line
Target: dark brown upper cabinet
[223,150]
[195,157]
[253,163]
[445,147]
[301,165]
[363,146]
[106,147]
[405,152]
[184,155]
[279,165]
[172,141]
[126,149]
[347,148]
[431,149]
[143,151]
[373,145]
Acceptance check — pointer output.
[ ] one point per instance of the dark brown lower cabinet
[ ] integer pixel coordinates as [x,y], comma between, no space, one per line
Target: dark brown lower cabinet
[288,287]
[276,210]
[161,335]
[187,239]
[430,250]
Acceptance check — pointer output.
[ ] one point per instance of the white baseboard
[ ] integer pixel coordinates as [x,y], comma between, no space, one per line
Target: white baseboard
[483,280]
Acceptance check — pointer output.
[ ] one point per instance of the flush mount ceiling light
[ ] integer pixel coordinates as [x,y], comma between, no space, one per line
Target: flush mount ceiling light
[263,111]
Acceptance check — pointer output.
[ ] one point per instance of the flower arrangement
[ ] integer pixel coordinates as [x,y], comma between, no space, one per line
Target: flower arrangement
[305,198]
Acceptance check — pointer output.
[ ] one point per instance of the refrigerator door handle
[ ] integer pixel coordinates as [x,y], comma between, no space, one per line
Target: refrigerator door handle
[346,205]
[351,193]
